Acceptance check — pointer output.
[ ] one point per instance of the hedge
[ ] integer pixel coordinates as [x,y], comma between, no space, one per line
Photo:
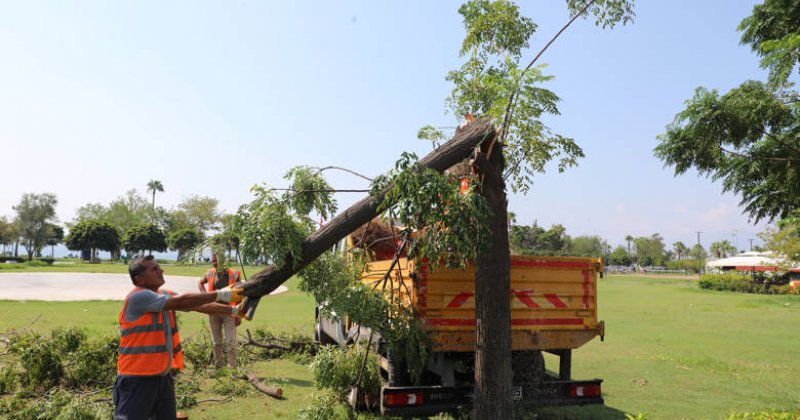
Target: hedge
[745,283]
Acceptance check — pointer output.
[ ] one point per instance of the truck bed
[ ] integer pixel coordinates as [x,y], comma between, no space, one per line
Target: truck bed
[553,301]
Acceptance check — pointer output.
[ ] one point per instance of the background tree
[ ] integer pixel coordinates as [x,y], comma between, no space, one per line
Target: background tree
[54,237]
[147,237]
[155,186]
[619,256]
[629,240]
[201,212]
[679,249]
[698,254]
[92,235]
[124,212]
[649,250]
[184,240]
[34,213]
[722,249]
[8,233]
[524,239]
[554,241]
[785,238]
[588,246]
[747,138]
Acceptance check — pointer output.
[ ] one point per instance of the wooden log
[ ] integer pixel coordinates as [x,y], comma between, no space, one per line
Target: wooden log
[450,153]
[271,391]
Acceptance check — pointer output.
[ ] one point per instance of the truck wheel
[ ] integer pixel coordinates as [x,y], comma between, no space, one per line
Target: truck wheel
[527,366]
[398,371]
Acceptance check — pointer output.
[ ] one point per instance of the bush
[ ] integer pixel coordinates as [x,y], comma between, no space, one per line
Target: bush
[8,380]
[744,283]
[67,340]
[197,350]
[5,259]
[765,415]
[46,260]
[338,368]
[36,263]
[94,363]
[43,367]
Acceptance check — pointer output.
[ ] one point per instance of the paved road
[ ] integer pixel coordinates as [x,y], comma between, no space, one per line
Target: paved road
[82,286]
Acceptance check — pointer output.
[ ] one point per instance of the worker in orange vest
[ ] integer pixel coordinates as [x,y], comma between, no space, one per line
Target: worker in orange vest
[218,279]
[150,347]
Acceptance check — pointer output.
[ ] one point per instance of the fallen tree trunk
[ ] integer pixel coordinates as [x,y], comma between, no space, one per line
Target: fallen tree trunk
[450,153]
[272,392]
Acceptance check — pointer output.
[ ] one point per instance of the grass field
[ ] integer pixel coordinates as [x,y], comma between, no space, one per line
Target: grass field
[671,351]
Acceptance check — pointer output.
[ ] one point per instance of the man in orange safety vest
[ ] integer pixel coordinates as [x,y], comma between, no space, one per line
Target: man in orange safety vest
[150,347]
[216,279]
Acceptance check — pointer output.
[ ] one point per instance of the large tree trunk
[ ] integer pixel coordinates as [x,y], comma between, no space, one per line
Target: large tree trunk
[450,153]
[492,303]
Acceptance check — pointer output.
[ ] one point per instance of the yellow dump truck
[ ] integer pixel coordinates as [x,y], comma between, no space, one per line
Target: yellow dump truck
[553,309]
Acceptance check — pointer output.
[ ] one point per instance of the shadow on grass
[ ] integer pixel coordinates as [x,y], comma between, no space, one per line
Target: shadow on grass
[287,381]
[577,412]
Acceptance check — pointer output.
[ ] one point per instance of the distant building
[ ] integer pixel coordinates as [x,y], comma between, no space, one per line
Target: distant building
[748,261]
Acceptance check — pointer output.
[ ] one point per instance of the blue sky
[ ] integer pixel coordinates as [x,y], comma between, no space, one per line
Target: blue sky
[212,97]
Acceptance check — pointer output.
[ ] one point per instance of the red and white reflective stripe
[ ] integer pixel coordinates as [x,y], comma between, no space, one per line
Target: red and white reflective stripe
[524,296]
[550,264]
[585,288]
[466,322]
[460,299]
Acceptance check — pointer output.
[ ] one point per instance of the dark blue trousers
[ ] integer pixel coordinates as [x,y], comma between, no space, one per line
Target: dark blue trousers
[144,397]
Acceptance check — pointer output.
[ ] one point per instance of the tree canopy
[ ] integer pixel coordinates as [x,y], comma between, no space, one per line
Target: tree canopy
[747,137]
[146,237]
[35,212]
[92,234]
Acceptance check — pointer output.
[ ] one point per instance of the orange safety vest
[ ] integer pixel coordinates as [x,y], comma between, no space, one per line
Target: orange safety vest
[143,345]
[211,276]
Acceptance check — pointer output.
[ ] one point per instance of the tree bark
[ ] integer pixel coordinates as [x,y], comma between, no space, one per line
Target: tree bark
[492,304]
[268,279]
[257,384]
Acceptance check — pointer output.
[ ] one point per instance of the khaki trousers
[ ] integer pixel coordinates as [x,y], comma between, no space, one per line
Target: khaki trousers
[218,323]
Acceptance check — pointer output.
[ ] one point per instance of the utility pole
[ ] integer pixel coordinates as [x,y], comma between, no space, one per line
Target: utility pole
[699,254]
[751,243]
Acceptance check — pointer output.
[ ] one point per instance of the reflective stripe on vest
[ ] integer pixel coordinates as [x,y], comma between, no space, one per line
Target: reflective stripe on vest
[211,276]
[143,345]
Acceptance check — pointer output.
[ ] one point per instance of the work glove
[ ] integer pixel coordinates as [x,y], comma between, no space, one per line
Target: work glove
[230,294]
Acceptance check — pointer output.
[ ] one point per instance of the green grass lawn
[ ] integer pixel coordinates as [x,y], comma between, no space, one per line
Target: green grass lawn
[671,351]
[170,269]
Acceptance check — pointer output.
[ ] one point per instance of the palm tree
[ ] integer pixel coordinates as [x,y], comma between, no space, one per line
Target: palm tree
[680,249]
[629,239]
[721,249]
[728,248]
[512,219]
[155,186]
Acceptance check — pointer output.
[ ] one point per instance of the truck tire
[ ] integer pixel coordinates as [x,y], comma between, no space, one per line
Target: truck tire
[527,366]
[398,371]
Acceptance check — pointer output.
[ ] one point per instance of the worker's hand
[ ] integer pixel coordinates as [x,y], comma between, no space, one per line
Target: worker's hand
[230,294]
[237,312]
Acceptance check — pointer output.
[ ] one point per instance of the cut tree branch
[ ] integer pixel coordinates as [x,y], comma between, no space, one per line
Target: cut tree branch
[450,153]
